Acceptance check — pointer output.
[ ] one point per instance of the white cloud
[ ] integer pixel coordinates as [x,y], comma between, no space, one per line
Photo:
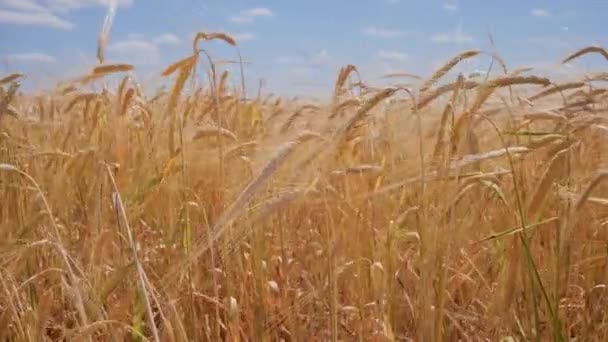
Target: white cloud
[248,16]
[287,60]
[167,39]
[67,5]
[457,36]
[381,32]
[391,55]
[540,13]
[320,57]
[243,36]
[450,6]
[136,51]
[45,12]
[139,50]
[30,57]
[45,19]
[307,60]
[23,5]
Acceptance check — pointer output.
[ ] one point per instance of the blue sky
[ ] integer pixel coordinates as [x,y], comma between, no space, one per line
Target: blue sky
[297,47]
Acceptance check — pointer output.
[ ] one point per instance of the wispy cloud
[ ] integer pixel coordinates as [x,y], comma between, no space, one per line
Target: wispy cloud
[549,41]
[139,50]
[393,2]
[391,55]
[243,36]
[67,5]
[450,5]
[30,57]
[167,39]
[320,57]
[23,5]
[248,16]
[134,50]
[455,37]
[47,13]
[382,32]
[306,59]
[34,18]
[540,13]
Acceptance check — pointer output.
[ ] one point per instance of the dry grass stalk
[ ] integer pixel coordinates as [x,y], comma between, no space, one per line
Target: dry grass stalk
[185,69]
[127,100]
[282,254]
[6,100]
[402,75]
[547,115]
[556,89]
[447,111]
[240,149]
[426,99]
[488,88]
[447,67]
[239,205]
[586,50]
[520,71]
[342,106]
[210,131]
[342,77]
[10,78]
[104,35]
[599,178]
[122,218]
[179,65]
[292,118]
[103,70]
[212,36]
[362,112]
[86,97]
[555,168]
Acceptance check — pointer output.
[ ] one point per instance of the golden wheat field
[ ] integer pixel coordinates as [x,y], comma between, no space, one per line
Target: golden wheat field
[453,209]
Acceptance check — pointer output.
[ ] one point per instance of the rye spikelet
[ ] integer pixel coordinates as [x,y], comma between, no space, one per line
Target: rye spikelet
[237,207]
[427,98]
[447,67]
[107,69]
[447,111]
[104,35]
[486,90]
[182,63]
[556,89]
[342,77]
[78,98]
[121,88]
[599,178]
[520,71]
[240,149]
[342,106]
[185,70]
[552,172]
[362,112]
[292,118]
[586,50]
[210,131]
[211,36]
[401,75]
[10,78]
[127,101]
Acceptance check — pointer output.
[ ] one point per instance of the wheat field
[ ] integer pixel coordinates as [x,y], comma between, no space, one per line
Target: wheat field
[454,209]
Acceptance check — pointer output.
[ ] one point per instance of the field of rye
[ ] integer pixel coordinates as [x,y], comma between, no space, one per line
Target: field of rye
[457,207]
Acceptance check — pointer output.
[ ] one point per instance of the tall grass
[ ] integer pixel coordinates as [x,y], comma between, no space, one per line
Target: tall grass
[457,211]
